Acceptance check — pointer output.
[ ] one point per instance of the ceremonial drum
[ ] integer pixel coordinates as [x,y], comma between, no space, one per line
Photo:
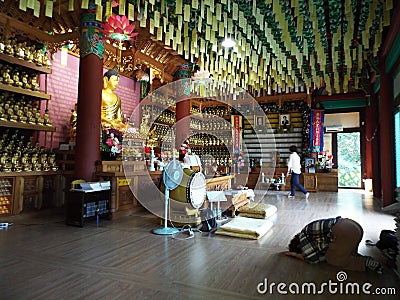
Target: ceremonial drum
[192,189]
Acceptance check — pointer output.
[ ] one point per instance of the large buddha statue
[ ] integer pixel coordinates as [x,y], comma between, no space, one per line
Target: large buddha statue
[111,113]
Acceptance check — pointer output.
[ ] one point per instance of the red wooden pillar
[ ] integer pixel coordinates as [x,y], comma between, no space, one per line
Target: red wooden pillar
[386,135]
[182,75]
[386,110]
[372,144]
[89,96]
[369,131]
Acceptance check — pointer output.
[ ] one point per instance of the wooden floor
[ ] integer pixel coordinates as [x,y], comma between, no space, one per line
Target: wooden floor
[42,258]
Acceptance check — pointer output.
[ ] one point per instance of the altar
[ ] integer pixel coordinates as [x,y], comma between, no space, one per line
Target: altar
[126,178]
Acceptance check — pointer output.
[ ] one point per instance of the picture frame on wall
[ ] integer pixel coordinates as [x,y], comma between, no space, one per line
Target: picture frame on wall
[284,121]
[310,164]
[259,121]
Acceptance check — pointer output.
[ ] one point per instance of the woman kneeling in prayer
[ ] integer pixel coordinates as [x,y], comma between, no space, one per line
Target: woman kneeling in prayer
[335,240]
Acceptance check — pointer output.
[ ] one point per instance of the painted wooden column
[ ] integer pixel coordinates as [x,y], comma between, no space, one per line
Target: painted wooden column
[182,118]
[372,144]
[89,96]
[387,60]
[386,134]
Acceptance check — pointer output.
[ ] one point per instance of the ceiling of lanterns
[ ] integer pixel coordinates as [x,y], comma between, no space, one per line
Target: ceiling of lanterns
[62,28]
[280,44]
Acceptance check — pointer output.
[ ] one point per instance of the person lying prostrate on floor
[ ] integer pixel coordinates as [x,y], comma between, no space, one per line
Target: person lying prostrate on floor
[334,240]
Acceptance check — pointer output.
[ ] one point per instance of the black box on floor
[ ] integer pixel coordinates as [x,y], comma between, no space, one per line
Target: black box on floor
[81,205]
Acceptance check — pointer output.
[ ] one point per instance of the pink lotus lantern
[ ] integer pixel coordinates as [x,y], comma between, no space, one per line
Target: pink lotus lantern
[119,28]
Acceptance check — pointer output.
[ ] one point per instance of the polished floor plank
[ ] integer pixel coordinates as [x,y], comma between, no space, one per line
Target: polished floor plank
[41,258]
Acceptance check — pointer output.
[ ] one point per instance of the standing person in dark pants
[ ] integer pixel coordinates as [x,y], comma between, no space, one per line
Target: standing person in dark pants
[294,168]
[334,240]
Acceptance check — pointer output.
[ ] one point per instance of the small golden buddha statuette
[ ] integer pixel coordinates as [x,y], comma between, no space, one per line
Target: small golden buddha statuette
[39,118]
[6,74]
[26,165]
[44,162]
[29,53]
[2,44]
[15,163]
[52,162]
[5,164]
[20,50]
[46,119]
[21,116]
[12,117]
[37,57]
[16,79]
[25,81]
[9,49]
[33,82]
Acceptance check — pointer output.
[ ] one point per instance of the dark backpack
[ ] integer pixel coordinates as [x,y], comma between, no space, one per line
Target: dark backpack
[388,243]
[208,223]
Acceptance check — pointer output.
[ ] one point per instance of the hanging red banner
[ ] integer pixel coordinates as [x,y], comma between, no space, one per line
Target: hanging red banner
[236,122]
[317,130]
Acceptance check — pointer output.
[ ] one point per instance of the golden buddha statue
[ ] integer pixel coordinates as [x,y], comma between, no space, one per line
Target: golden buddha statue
[52,162]
[15,163]
[26,165]
[36,165]
[37,57]
[45,60]
[72,124]
[144,125]
[2,44]
[7,76]
[15,77]
[21,116]
[25,81]
[33,82]
[44,162]
[36,116]
[111,113]
[39,118]
[2,113]
[46,118]
[20,50]
[29,115]
[12,117]
[9,47]
[5,163]
[29,53]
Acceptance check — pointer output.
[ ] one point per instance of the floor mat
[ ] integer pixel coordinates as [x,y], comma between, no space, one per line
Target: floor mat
[247,228]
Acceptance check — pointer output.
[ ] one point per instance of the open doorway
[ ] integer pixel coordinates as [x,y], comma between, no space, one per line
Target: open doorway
[349,159]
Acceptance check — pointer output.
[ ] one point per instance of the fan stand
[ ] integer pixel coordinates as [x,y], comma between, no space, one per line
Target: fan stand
[166,230]
[172,176]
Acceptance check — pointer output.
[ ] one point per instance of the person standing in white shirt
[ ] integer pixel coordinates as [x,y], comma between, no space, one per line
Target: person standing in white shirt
[294,168]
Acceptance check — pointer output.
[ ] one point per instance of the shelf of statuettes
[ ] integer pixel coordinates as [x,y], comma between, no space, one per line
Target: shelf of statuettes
[22,113]
[22,155]
[215,139]
[16,79]
[25,54]
[163,116]
[207,124]
[161,101]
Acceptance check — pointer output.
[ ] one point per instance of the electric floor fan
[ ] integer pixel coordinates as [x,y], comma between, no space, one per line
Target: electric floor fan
[172,177]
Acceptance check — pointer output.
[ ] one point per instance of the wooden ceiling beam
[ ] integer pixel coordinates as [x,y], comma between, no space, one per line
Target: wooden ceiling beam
[69,36]
[24,27]
[147,59]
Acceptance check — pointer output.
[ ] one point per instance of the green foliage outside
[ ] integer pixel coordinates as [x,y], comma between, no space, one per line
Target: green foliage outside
[349,160]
